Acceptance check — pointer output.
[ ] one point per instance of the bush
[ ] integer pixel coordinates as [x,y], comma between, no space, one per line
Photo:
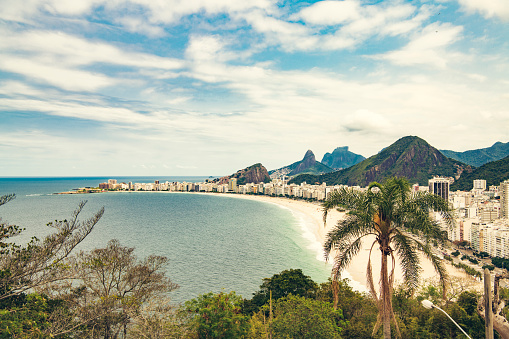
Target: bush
[298,317]
[218,315]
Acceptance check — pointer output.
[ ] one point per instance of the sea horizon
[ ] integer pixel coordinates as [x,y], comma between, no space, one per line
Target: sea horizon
[212,243]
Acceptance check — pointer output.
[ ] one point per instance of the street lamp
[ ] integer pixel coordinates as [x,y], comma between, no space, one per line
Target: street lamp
[429,305]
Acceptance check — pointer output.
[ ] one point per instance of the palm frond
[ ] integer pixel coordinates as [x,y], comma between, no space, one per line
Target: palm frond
[437,263]
[344,257]
[346,231]
[409,260]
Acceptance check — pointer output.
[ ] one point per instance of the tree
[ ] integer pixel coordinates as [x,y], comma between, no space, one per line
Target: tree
[110,287]
[291,281]
[299,317]
[401,223]
[39,262]
[218,315]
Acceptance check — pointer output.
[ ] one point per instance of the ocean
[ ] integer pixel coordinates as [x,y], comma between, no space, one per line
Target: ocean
[214,242]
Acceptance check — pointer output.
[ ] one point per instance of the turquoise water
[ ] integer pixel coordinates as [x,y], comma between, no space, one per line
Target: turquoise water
[214,242]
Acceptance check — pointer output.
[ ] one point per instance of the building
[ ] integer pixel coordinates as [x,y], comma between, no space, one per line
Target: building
[232,185]
[480,184]
[440,187]
[504,199]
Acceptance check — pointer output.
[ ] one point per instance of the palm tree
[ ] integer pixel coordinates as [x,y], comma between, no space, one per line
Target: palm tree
[402,224]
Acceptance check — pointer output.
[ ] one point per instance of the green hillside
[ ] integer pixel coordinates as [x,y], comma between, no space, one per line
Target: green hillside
[493,172]
[479,157]
[410,157]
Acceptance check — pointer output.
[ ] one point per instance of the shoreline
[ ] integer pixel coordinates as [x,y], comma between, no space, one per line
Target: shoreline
[312,228]
[356,271]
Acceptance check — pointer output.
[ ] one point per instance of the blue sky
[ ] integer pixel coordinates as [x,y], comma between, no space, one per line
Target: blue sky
[206,87]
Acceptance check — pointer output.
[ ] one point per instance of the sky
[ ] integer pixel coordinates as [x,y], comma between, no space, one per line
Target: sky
[207,87]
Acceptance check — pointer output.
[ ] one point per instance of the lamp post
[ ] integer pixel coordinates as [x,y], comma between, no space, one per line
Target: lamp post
[429,305]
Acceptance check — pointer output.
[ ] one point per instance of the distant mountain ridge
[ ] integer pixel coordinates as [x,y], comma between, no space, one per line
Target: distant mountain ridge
[410,157]
[481,156]
[308,164]
[253,174]
[341,158]
[493,172]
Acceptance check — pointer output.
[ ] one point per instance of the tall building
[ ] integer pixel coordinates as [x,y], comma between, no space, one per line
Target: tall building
[504,199]
[439,186]
[232,184]
[480,184]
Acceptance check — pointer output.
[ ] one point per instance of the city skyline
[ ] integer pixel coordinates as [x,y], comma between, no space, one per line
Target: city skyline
[137,87]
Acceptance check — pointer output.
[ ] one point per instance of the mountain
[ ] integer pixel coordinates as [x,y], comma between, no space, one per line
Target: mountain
[341,158]
[479,157]
[253,174]
[493,172]
[410,157]
[308,164]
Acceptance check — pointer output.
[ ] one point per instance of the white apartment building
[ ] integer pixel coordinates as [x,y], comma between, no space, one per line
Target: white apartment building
[492,238]
[480,185]
[504,199]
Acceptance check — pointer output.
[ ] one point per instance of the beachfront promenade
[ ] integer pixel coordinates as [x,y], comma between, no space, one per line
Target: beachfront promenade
[277,187]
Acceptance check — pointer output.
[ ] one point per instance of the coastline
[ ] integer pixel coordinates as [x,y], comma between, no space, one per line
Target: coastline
[314,230]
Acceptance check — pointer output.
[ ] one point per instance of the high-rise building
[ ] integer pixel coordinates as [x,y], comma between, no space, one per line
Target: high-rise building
[480,184]
[504,199]
[439,186]
[232,184]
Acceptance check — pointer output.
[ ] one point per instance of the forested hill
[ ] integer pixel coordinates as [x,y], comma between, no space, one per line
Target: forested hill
[252,174]
[479,157]
[493,172]
[410,157]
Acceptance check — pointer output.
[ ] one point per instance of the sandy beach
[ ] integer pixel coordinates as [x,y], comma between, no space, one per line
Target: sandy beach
[356,272]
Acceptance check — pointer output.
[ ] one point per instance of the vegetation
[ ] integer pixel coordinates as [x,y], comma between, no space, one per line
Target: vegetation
[479,157]
[409,157]
[109,293]
[291,281]
[500,262]
[493,172]
[218,315]
[395,217]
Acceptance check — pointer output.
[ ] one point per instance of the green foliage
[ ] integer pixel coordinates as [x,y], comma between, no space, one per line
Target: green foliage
[490,267]
[469,270]
[479,157]
[299,317]
[409,157]
[401,223]
[500,262]
[27,316]
[493,172]
[455,253]
[291,281]
[359,309]
[218,315]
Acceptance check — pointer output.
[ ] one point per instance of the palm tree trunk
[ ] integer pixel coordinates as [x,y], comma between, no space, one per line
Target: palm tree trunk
[386,298]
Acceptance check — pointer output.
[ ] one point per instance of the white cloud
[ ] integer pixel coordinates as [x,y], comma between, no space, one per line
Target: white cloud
[66,78]
[489,9]
[353,22]
[427,47]
[138,25]
[364,121]
[59,47]
[331,12]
